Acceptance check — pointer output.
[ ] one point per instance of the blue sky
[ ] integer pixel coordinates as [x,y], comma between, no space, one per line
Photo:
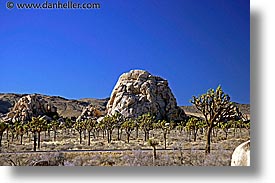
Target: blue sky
[194,44]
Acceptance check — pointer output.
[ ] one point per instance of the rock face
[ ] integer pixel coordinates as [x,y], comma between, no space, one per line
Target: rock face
[90,112]
[31,106]
[138,92]
[241,155]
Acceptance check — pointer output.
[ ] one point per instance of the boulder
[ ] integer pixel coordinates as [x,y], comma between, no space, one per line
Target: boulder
[138,92]
[91,112]
[31,106]
[241,155]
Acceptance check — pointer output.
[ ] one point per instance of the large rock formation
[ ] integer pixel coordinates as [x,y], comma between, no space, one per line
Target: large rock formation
[138,92]
[91,112]
[31,106]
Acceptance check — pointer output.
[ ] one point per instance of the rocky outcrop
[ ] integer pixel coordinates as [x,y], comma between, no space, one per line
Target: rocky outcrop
[31,106]
[241,155]
[69,108]
[138,92]
[91,112]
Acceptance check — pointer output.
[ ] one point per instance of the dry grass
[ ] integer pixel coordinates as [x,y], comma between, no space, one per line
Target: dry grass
[182,151]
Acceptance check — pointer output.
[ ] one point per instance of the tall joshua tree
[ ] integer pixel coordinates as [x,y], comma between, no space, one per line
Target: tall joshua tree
[216,107]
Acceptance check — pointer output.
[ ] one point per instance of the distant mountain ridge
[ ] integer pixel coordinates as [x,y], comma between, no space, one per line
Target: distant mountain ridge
[73,108]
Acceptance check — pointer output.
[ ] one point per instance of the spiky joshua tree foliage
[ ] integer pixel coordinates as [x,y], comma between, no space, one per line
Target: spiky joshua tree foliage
[216,107]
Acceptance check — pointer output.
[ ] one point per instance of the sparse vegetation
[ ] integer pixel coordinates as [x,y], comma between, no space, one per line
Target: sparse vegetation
[123,141]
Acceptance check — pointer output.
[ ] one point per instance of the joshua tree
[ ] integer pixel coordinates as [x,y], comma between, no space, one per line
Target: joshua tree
[129,126]
[41,126]
[3,127]
[146,124]
[193,125]
[79,126]
[101,127]
[33,128]
[165,127]
[216,107]
[68,123]
[118,120]
[153,143]
[247,126]
[137,125]
[90,125]
[109,123]
[225,127]
[240,125]
[55,126]
[20,130]
[11,129]
[180,126]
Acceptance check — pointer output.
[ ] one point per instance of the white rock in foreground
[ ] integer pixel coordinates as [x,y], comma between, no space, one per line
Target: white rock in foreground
[241,155]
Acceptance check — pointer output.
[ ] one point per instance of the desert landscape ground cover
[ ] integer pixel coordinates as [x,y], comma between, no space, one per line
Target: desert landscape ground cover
[181,149]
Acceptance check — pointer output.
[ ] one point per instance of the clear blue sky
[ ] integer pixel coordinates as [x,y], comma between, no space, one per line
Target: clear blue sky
[194,44]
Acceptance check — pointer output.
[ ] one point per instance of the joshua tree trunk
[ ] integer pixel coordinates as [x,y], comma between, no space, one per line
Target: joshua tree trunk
[154,155]
[80,137]
[195,134]
[84,133]
[165,136]
[34,141]
[208,140]
[38,142]
[21,139]
[118,133]
[89,138]
[54,135]
[108,136]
